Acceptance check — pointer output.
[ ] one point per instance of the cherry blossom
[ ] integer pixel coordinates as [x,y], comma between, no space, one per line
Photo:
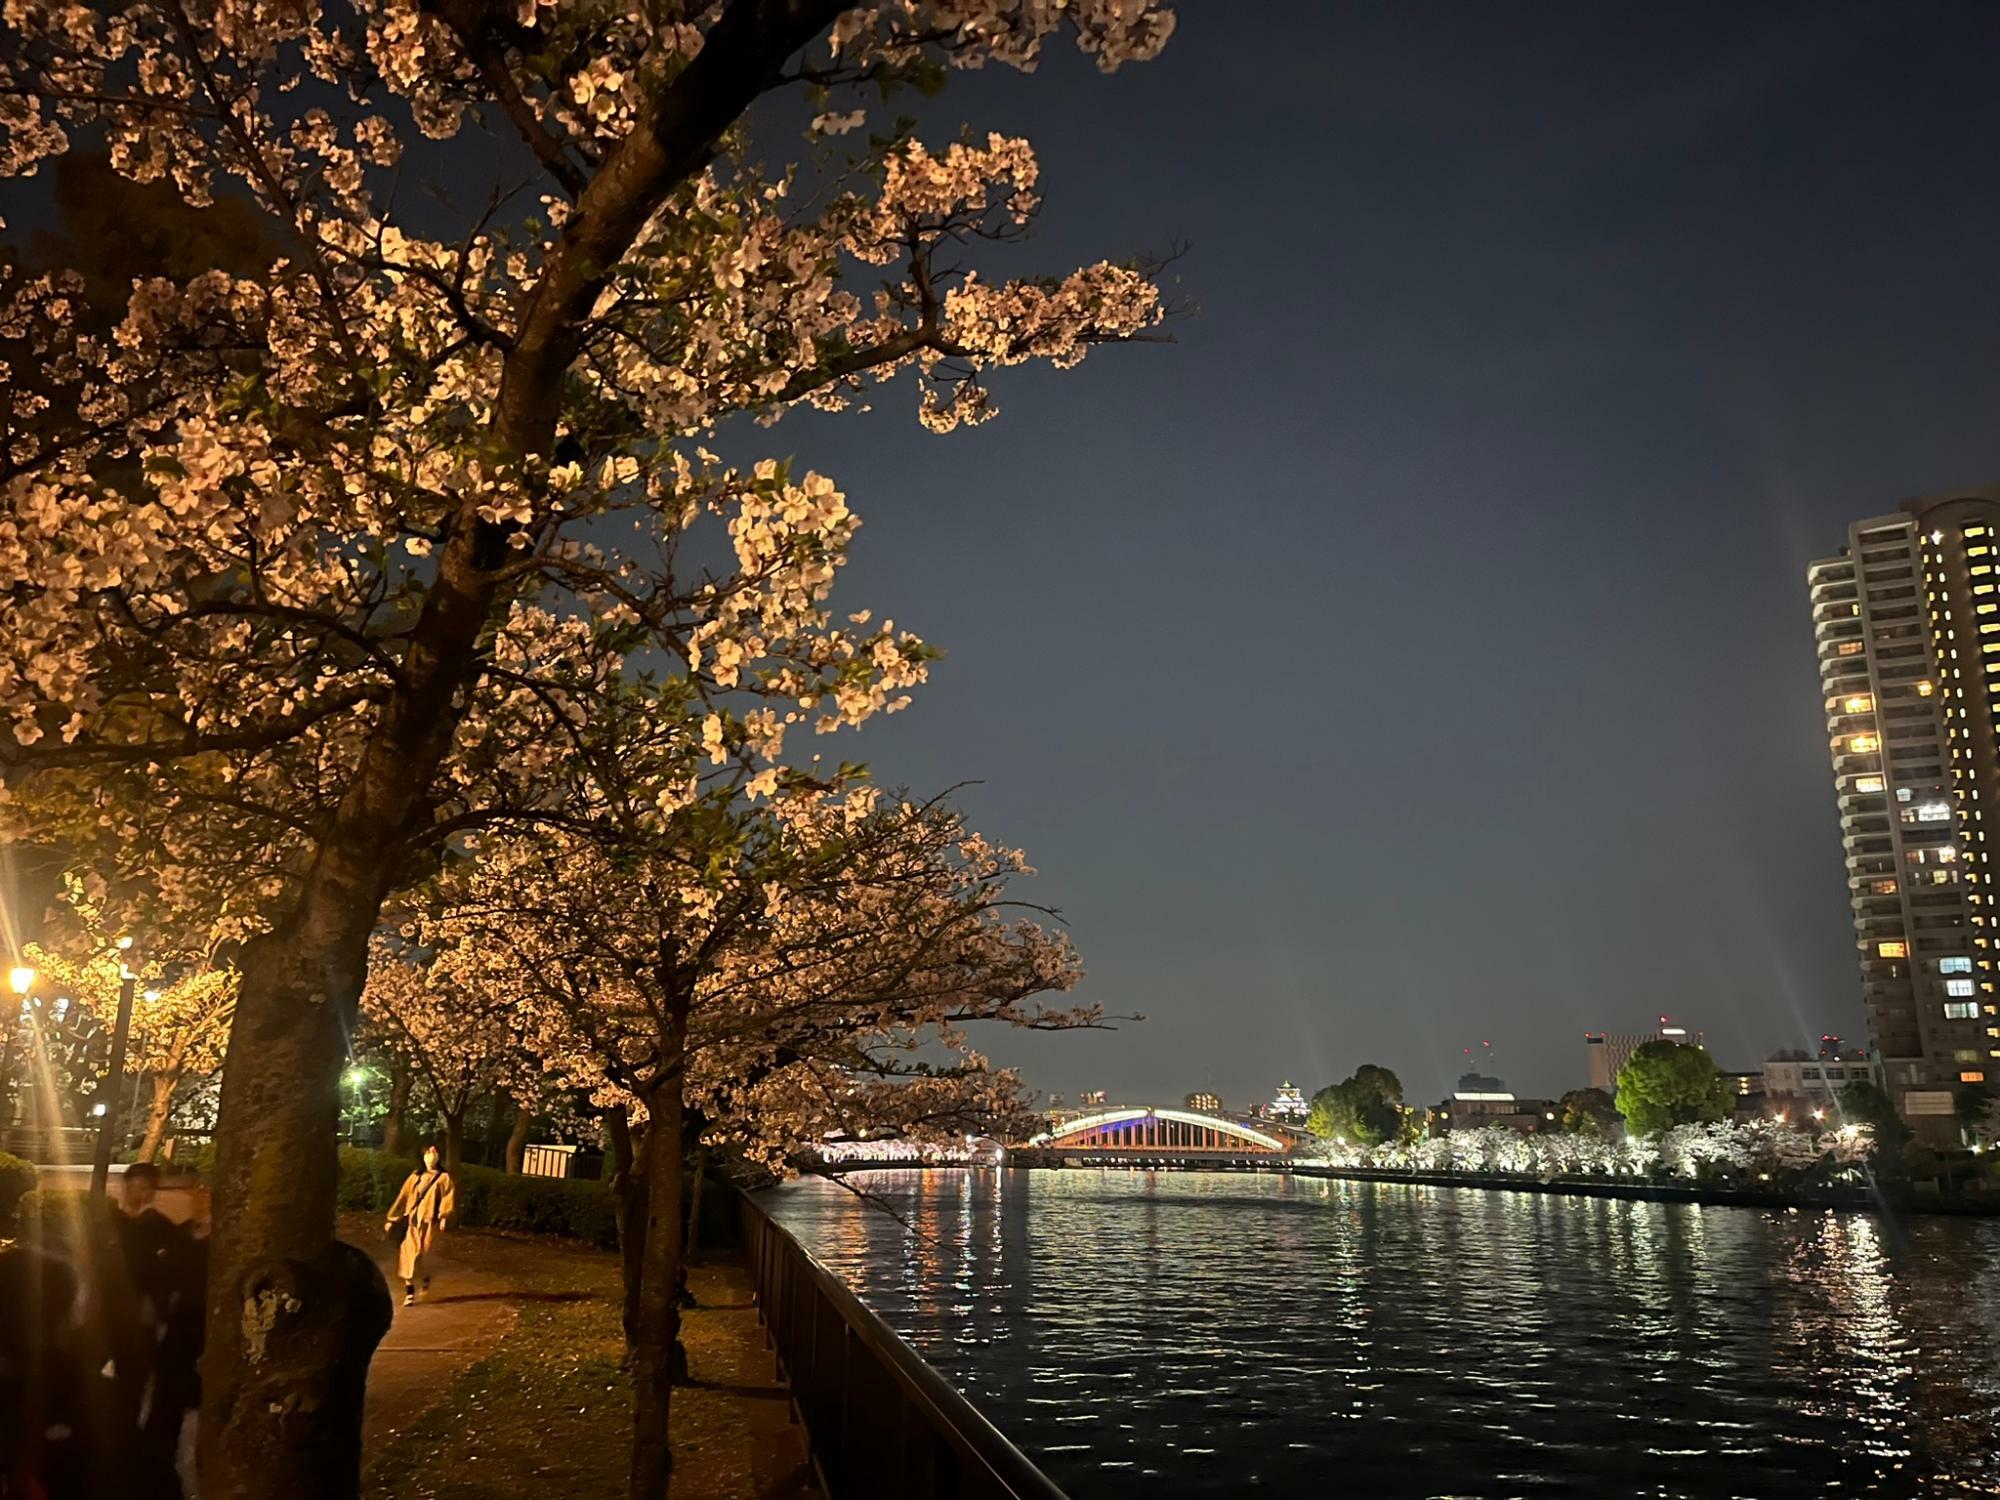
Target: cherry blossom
[323,571]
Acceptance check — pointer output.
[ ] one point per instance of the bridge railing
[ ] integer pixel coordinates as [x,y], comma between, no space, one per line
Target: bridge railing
[883,1424]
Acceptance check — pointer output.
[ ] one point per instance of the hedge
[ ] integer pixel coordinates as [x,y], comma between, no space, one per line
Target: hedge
[17,1180]
[582,1210]
[58,1218]
[369,1181]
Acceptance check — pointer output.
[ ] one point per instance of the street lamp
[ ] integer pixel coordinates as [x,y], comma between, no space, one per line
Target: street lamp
[21,980]
[108,1107]
[356,1078]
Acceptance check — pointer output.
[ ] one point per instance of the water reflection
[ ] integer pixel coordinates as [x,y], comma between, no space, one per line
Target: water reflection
[1215,1335]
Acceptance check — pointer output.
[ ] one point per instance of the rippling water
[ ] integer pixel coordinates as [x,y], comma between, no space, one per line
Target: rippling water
[1208,1334]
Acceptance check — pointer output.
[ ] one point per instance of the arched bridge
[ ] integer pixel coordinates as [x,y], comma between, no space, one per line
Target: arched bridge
[1152,1135]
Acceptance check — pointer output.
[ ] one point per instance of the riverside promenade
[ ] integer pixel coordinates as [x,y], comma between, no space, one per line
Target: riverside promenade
[506,1382]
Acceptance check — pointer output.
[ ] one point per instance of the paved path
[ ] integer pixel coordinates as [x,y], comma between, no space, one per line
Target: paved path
[733,1432]
[464,1319]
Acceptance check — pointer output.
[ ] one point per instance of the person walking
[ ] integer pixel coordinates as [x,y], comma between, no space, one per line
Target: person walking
[423,1211]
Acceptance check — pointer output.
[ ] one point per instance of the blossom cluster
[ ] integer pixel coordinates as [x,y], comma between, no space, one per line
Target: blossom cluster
[1764,1148]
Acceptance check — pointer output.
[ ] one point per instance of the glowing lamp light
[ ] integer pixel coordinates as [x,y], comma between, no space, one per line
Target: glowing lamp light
[21,979]
[97,1110]
[358,1075]
[152,994]
[124,944]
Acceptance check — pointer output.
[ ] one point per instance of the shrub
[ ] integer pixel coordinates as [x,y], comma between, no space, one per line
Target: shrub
[17,1180]
[498,1200]
[58,1219]
[370,1179]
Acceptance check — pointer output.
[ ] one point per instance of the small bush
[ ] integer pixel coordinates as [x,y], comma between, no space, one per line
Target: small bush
[370,1179]
[17,1180]
[59,1220]
[498,1200]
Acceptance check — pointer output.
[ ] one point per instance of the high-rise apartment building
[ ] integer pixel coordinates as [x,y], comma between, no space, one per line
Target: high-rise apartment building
[1907,620]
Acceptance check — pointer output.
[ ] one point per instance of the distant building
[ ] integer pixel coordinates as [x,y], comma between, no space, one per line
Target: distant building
[1090,1098]
[1907,621]
[1208,1103]
[1481,1099]
[1289,1104]
[1609,1051]
[1743,1084]
[1800,1075]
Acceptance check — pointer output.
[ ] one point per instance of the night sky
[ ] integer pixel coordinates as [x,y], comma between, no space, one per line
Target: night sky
[1417,654]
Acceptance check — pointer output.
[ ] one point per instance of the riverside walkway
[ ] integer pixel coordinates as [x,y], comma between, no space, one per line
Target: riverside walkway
[506,1382]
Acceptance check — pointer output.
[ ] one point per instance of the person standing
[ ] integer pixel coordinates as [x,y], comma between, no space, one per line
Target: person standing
[423,1209]
[162,1300]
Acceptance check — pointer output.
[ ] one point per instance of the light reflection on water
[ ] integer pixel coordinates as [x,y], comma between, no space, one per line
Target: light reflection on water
[1214,1335]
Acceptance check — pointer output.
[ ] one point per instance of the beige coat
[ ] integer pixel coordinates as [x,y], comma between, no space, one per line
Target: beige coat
[428,1199]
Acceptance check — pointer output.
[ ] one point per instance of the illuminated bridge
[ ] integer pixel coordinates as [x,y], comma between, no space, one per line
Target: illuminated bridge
[1147,1135]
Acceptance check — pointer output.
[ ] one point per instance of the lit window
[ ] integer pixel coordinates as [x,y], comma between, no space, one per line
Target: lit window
[1933,812]
[1892,950]
[1859,704]
[1961,987]
[1943,877]
[1945,854]
[1972,531]
[1955,965]
[1850,648]
[1861,744]
[1904,794]
[1884,887]
[1868,783]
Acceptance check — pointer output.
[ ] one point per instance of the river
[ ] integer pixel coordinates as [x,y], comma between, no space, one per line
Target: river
[1215,1334]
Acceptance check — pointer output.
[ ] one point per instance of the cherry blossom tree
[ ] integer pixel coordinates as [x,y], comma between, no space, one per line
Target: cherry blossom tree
[461,1044]
[1742,1150]
[771,974]
[319,569]
[180,1025]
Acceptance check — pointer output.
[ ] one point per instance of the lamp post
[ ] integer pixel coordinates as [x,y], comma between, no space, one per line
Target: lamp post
[356,1078]
[21,980]
[100,1168]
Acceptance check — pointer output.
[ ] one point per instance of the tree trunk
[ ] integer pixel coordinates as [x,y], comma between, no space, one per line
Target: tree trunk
[399,1105]
[158,1113]
[654,1363]
[493,1150]
[693,1254]
[517,1138]
[631,1189]
[293,1315]
[454,1138]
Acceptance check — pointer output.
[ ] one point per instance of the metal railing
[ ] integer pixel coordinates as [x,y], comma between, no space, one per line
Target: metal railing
[883,1424]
